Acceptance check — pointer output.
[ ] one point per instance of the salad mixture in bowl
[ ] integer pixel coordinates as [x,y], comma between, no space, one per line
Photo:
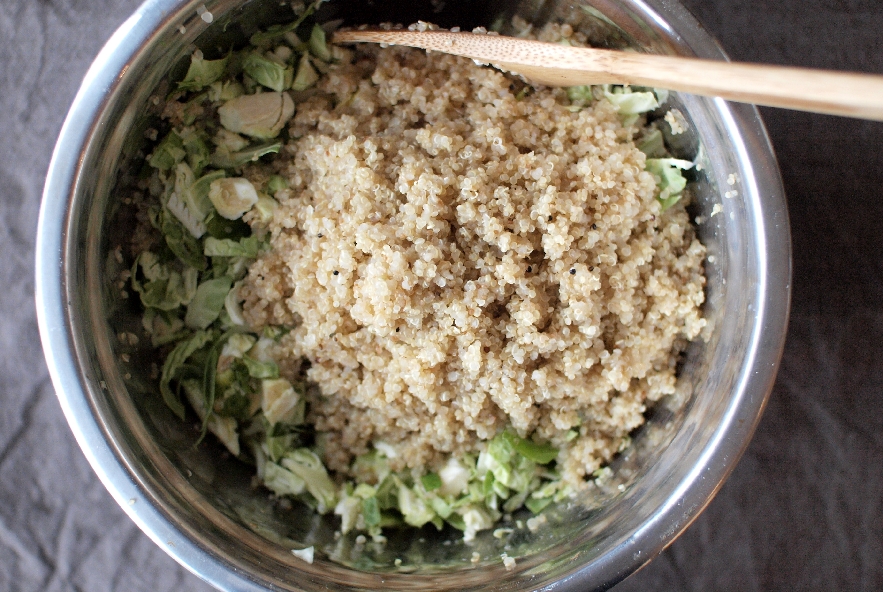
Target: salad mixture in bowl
[407,288]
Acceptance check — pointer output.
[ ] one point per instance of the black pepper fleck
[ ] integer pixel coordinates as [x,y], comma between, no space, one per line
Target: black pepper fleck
[529,269]
[572,271]
[594,226]
[336,272]
[550,218]
[320,235]
[591,269]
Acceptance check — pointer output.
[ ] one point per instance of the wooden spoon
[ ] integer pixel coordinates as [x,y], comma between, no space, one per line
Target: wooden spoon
[819,91]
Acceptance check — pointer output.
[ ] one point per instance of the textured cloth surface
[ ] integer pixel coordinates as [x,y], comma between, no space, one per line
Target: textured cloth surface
[803,510]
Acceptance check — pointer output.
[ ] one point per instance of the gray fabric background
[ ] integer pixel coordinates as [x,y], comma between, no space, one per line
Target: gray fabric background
[803,509]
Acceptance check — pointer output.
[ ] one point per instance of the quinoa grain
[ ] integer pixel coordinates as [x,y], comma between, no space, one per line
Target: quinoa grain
[427,254]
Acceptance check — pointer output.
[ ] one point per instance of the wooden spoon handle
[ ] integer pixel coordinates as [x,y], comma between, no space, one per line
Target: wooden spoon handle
[836,93]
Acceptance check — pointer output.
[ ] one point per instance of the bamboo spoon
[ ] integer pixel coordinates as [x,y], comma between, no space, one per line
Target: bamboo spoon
[819,91]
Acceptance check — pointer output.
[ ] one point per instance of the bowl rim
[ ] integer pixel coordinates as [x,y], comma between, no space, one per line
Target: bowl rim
[53,311]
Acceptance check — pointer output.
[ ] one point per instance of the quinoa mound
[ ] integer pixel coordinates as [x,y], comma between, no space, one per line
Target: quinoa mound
[459,253]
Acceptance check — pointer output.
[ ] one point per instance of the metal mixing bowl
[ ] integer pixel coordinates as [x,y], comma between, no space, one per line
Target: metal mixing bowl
[199,505]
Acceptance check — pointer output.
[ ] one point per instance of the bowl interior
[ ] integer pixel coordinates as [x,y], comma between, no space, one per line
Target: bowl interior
[203,502]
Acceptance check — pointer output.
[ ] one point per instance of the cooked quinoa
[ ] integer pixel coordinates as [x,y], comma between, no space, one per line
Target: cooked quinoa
[457,255]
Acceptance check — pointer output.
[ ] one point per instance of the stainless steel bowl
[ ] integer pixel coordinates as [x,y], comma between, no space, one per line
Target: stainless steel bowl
[200,507]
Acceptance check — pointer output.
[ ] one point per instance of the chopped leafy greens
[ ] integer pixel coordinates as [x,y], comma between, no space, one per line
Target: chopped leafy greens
[652,144]
[276,31]
[539,453]
[207,302]
[168,153]
[202,72]
[249,246]
[173,365]
[268,72]
[225,159]
[631,102]
[671,181]
[181,241]
[276,183]
[258,369]
[306,74]
[431,481]
[318,46]
[582,93]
